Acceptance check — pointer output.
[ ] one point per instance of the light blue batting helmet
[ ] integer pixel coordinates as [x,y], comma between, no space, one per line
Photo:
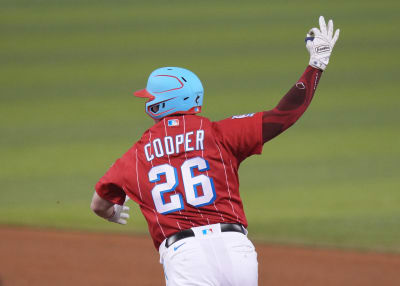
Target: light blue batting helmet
[172,90]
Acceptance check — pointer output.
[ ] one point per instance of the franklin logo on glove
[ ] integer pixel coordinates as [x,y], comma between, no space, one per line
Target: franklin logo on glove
[322,49]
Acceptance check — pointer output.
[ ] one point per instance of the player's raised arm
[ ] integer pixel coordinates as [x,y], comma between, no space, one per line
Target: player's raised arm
[319,43]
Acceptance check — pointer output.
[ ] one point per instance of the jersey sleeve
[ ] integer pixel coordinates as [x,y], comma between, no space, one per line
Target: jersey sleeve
[241,134]
[292,105]
[110,186]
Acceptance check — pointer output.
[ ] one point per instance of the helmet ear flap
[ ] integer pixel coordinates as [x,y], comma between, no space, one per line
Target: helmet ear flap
[155,108]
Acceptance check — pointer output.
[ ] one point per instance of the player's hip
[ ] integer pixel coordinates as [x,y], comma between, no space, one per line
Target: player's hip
[232,236]
[209,256]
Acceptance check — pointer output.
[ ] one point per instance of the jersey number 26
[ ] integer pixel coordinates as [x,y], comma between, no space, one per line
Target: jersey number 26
[190,184]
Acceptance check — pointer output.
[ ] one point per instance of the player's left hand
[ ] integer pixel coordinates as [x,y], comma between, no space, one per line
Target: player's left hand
[120,214]
[320,43]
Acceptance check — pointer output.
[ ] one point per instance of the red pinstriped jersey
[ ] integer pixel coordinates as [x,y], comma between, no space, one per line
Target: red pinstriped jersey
[183,172]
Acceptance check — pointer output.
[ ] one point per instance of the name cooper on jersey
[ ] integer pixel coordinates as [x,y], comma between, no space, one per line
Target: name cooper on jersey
[175,144]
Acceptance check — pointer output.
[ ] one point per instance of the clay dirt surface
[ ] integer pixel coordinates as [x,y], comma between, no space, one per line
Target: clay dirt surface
[37,257]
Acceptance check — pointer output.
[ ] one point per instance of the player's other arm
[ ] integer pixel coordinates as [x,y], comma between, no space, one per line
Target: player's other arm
[109,198]
[101,207]
[108,210]
[319,43]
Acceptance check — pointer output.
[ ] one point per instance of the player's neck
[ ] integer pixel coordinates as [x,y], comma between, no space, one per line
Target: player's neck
[170,116]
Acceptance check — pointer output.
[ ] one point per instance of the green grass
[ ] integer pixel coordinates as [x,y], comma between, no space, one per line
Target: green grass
[68,69]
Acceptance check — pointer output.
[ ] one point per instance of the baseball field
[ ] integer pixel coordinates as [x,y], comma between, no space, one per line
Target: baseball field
[67,73]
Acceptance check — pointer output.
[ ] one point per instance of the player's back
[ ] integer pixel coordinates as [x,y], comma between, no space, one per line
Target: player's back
[189,177]
[183,172]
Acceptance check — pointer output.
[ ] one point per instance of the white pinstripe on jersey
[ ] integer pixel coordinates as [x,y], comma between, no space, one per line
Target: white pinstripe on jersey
[184,132]
[137,177]
[155,213]
[169,161]
[202,155]
[227,183]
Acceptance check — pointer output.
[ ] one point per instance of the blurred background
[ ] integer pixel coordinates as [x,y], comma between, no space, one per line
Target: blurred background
[68,70]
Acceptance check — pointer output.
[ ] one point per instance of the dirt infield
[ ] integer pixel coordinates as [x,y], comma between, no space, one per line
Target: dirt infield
[42,257]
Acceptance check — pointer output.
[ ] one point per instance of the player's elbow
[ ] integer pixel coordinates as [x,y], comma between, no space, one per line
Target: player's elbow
[100,206]
[94,207]
[98,209]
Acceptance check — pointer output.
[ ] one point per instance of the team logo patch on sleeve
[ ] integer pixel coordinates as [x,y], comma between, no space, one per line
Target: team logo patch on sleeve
[243,116]
[173,122]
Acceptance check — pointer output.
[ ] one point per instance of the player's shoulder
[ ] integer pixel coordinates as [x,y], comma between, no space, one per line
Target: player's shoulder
[239,116]
[239,119]
[198,118]
[179,122]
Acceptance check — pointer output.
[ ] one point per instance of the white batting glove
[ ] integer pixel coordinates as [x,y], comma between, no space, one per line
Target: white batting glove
[320,43]
[120,214]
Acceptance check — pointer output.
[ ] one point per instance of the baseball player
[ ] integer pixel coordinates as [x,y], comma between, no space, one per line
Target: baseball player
[183,172]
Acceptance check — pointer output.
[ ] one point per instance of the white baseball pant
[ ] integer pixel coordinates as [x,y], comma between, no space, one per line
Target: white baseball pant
[210,258]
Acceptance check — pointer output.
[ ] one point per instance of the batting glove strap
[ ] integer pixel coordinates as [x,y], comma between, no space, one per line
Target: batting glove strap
[320,43]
